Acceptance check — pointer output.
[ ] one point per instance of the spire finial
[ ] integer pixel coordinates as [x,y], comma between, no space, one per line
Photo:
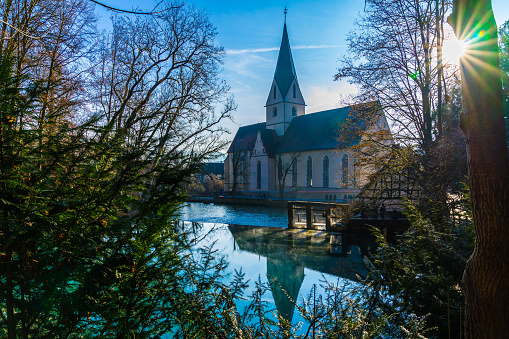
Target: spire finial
[286,11]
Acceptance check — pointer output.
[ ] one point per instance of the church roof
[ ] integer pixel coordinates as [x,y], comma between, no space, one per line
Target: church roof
[316,131]
[245,138]
[285,70]
[321,130]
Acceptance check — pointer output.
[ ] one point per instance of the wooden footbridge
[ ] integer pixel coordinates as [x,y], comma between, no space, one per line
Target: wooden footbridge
[334,217]
[316,215]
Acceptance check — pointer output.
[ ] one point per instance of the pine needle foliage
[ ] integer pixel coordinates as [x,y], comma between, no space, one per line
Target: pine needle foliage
[422,272]
[89,242]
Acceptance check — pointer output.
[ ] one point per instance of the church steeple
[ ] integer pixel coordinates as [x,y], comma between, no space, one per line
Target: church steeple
[285,99]
[285,70]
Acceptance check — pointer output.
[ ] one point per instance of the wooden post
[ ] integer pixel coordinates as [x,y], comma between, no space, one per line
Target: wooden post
[309,222]
[291,221]
[328,218]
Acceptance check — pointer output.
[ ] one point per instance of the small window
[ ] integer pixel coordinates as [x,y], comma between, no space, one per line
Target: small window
[274,95]
[294,91]
[294,111]
[274,112]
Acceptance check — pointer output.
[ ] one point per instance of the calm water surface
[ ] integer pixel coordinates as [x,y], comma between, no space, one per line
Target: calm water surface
[256,240]
[235,214]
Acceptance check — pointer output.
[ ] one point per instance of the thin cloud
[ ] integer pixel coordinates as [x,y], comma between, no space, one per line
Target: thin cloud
[262,50]
[244,51]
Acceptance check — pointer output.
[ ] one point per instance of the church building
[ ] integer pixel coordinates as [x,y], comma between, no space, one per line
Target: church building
[294,155]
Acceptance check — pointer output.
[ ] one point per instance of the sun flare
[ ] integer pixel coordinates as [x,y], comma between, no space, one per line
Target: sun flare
[453,49]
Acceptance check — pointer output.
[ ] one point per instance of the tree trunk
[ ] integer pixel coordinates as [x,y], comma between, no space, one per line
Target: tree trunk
[486,276]
[439,23]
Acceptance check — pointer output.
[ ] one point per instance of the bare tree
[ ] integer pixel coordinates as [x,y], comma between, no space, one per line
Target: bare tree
[284,167]
[213,183]
[237,172]
[51,44]
[486,275]
[390,59]
[160,74]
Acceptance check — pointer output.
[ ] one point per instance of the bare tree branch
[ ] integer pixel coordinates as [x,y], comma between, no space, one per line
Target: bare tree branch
[138,12]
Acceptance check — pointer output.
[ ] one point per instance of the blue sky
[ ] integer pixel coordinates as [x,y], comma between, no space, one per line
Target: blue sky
[250,31]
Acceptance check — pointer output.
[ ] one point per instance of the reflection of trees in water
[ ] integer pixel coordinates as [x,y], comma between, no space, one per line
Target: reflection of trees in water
[288,252]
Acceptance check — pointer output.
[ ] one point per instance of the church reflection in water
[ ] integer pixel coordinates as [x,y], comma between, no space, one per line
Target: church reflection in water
[289,252]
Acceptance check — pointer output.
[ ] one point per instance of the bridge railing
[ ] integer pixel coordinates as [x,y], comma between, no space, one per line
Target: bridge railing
[316,215]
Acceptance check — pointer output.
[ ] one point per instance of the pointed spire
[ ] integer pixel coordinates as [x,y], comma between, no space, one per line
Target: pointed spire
[285,70]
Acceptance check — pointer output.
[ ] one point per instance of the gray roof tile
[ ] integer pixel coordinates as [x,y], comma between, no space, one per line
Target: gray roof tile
[316,131]
[245,138]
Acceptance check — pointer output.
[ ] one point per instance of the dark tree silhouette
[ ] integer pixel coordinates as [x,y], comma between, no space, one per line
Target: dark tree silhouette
[486,276]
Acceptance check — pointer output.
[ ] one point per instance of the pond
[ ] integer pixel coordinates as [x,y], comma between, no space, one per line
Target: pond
[256,240]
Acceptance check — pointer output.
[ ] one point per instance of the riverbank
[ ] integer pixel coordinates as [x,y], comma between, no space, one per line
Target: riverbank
[241,201]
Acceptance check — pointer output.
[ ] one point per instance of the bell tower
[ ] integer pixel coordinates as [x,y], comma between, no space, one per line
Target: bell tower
[285,100]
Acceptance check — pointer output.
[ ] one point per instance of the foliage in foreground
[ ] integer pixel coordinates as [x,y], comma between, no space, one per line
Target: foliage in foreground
[89,246]
[423,271]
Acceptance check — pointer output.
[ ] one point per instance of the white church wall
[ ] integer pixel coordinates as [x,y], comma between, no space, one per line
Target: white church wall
[264,167]
[336,188]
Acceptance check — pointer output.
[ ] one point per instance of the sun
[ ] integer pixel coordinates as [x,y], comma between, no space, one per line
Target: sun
[453,49]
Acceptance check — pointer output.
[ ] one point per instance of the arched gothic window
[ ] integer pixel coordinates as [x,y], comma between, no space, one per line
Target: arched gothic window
[309,171]
[325,171]
[294,111]
[344,165]
[258,175]
[274,92]
[274,112]
[294,173]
